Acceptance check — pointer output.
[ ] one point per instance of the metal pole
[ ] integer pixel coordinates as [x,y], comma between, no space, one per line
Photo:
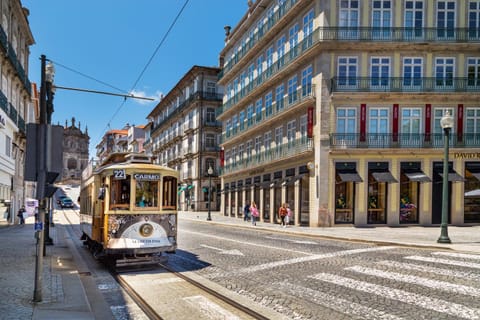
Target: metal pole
[444,226]
[41,179]
[209,218]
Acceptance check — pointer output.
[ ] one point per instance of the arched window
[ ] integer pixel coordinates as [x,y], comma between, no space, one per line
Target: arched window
[71,163]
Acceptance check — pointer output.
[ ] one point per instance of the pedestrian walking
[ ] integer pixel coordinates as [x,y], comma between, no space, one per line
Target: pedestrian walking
[282,212]
[288,217]
[20,215]
[254,212]
[246,211]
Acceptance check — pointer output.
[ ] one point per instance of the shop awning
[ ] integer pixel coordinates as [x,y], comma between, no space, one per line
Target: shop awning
[384,176]
[454,177]
[350,177]
[291,180]
[476,175]
[265,184]
[418,176]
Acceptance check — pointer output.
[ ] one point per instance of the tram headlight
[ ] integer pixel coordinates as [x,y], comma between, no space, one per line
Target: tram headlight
[146,230]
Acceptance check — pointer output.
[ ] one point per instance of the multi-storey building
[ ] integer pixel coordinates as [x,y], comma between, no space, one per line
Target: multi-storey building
[184,135]
[15,101]
[136,138]
[114,140]
[334,106]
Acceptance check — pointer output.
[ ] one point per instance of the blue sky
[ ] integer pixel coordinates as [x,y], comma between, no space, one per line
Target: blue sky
[112,41]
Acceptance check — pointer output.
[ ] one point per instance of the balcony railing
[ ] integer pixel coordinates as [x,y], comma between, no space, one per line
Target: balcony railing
[402,140]
[283,9]
[278,107]
[387,34]
[400,84]
[274,69]
[400,34]
[282,151]
[205,95]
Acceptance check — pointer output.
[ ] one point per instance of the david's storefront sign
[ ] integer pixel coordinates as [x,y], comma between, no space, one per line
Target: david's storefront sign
[466,155]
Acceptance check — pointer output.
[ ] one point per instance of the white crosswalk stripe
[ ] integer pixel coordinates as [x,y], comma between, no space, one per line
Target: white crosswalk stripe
[433,284]
[341,305]
[445,261]
[438,305]
[458,255]
[434,270]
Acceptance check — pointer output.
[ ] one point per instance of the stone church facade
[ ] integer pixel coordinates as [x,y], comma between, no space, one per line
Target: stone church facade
[75,152]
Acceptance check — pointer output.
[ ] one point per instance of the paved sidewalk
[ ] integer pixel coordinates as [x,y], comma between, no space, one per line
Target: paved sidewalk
[62,291]
[465,239]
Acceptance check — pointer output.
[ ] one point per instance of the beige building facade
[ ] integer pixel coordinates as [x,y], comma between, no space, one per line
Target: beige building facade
[334,106]
[183,134]
[15,103]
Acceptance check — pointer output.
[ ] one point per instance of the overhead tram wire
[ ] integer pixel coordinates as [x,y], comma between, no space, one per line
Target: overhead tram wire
[148,62]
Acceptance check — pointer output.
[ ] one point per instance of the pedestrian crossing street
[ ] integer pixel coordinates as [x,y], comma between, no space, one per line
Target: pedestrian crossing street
[460,282]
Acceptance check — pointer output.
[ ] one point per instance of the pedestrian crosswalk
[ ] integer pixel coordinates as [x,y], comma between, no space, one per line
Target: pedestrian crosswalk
[445,283]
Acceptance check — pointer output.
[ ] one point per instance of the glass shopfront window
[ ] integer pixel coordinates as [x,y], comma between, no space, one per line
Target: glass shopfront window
[345,178]
[378,179]
[472,192]
[410,178]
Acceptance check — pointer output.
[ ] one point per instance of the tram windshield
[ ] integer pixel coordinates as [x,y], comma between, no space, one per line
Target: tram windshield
[146,194]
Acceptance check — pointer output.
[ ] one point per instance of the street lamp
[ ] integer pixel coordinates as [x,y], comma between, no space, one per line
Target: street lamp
[210,172]
[446,123]
[49,91]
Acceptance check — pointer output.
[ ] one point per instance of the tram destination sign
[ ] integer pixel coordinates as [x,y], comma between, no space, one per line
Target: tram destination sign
[146,177]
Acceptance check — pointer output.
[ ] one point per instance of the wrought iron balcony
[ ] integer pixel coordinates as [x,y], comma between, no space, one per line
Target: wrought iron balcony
[283,151]
[268,112]
[400,84]
[400,34]
[402,140]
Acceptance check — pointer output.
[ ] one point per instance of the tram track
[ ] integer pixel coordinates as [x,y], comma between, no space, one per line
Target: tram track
[149,304]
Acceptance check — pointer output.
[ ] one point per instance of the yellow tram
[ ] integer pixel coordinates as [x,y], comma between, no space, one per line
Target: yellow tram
[128,209]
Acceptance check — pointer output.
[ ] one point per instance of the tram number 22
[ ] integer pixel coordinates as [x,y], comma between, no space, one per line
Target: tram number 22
[119,174]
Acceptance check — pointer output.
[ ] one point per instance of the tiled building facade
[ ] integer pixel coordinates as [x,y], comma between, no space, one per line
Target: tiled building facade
[334,106]
[184,134]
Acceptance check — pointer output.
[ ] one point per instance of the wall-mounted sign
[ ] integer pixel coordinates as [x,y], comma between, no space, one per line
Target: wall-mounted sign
[146,177]
[466,155]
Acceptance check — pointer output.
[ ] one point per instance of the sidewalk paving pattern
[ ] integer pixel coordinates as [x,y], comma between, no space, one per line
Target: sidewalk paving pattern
[63,292]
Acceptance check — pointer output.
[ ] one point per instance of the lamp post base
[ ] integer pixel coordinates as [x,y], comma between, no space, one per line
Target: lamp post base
[444,240]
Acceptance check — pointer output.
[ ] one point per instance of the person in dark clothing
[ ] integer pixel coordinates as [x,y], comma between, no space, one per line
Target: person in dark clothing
[20,215]
[246,212]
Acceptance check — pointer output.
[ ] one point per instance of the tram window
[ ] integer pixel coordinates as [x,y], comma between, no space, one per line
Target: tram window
[169,193]
[120,192]
[146,194]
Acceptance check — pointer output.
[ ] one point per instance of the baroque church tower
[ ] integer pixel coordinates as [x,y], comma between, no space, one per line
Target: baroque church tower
[75,151]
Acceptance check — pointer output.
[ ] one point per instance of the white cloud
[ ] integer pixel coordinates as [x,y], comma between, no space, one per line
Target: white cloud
[140,93]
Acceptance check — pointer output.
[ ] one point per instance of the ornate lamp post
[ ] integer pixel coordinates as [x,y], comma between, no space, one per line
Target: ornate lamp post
[210,172]
[447,123]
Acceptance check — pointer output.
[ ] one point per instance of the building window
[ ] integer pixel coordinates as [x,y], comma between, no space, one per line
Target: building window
[445,19]
[378,179]
[411,127]
[472,126]
[269,61]
[241,152]
[281,51]
[249,149]
[380,71]
[410,178]
[258,145]
[210,115]
[438,113]
[210,140]
[474,19]
[473,71]
[249,115]
[412,71]
[349,13]
[303,126]
[378,127]
[279,93]
[347,71]
[347,122]
[268,104]
[278,136]
[291,131]
[293,41]
[209,162]
[292,89]
[267,140]
[444,71]
[308,29]
[345,178]
[414,19]
[382,19]
[241,120]
[258,110]
[307,81]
